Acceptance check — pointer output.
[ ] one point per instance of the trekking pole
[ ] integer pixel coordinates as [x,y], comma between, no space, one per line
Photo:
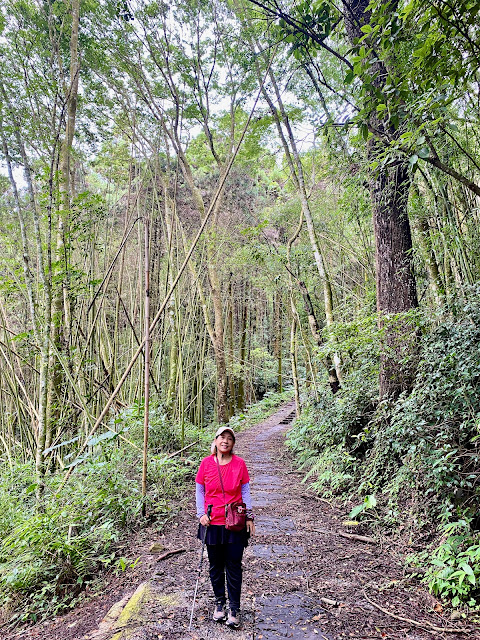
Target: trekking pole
[209,512]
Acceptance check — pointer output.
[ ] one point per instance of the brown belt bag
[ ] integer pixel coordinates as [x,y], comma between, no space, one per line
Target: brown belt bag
[235,512]
[235,516]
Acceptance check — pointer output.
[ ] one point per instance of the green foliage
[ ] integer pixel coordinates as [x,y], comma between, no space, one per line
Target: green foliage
[164,433]
[453,567]
[433,430]
[48,556]
[359,341]
[330,436]
[419,454]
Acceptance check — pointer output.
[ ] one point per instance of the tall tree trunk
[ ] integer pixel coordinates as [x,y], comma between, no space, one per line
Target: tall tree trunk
[294,161]
[242,351]
[216,335]
[61,303]
[396,286]
[171,311]
[317,336]
[293,358]
[231,351]
[277,330]
[218,346]
[146,363]
[389,187]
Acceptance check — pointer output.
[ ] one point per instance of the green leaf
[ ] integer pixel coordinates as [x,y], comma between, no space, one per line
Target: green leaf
[107,435]
[467,568]
[364,131]
[356,510]
[61,444]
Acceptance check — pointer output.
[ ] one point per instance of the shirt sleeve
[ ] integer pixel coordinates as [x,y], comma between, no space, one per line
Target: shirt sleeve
[247,499]
[245,476]
[200,478]
[200,499]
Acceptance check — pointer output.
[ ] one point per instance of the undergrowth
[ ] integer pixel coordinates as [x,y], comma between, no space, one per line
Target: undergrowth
[418,455]
[50,552]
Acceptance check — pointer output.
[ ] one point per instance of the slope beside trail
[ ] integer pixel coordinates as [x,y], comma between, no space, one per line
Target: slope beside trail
[302,579]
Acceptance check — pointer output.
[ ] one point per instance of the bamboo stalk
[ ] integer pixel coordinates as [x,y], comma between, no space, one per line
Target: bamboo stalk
[147,364]
[159,313]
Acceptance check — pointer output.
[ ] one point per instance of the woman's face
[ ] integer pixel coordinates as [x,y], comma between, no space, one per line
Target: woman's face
[224,442]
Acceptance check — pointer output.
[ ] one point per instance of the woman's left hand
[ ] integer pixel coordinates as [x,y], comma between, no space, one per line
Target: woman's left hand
[251,527]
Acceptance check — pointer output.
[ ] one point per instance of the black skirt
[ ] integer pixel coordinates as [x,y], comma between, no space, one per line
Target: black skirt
[217,534]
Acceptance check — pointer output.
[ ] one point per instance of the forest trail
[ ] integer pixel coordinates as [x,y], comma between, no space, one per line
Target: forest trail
[302,579]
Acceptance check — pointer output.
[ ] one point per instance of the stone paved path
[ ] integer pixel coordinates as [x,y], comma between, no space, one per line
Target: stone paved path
[302,579]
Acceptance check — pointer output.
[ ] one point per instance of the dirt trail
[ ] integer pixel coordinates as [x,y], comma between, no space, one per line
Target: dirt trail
[302,580]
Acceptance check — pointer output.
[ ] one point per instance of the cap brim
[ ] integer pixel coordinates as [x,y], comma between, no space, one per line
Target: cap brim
[222,430]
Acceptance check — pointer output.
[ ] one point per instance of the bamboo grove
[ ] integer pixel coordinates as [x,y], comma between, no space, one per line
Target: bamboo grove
[277,130]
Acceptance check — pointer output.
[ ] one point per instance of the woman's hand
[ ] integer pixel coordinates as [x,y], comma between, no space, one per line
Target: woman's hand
[251,527]
[205,520]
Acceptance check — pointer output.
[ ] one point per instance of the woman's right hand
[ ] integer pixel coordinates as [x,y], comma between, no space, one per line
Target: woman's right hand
[205,520]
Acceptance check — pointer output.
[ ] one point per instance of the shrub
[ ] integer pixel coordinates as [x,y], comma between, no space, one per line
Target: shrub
[453,567]
[418,454]
[330,436]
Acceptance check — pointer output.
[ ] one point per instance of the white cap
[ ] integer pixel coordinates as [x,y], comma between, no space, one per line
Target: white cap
[223,429]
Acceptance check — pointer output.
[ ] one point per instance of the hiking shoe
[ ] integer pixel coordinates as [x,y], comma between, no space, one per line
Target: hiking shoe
[233,620]
[219,613]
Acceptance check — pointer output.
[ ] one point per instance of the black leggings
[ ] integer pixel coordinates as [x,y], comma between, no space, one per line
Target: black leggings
[226,559]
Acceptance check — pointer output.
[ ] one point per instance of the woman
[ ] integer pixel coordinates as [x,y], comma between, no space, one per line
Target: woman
[225,548]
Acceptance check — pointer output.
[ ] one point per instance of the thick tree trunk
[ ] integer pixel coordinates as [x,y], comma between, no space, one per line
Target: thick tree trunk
[389,186]
[396,287]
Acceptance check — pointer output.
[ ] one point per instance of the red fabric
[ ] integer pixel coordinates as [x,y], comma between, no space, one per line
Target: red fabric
[234,474]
